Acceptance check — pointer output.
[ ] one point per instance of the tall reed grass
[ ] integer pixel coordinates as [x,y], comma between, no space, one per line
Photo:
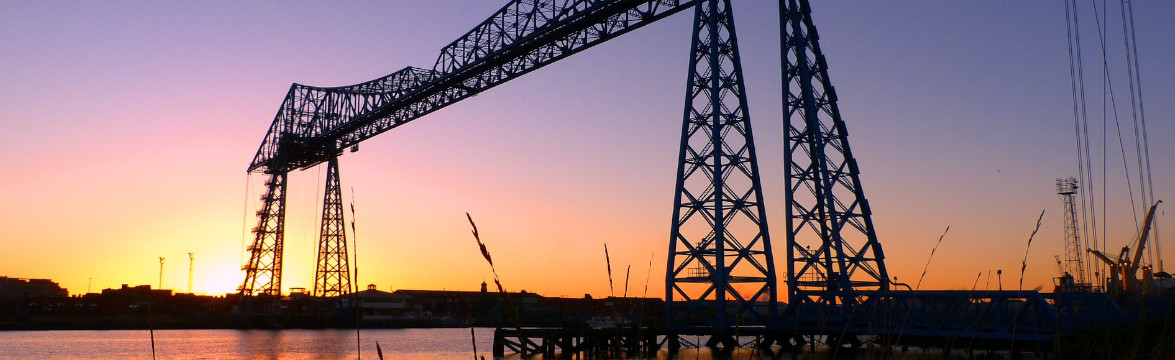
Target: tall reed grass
[1024,263]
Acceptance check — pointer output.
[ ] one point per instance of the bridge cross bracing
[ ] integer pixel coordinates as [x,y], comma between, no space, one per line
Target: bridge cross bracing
[314,123]
[836,274]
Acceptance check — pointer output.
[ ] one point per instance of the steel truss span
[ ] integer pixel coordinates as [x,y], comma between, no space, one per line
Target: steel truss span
[315,122]
[720,274]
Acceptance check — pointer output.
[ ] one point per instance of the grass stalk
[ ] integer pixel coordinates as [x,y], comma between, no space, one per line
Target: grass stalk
[932,251]
[355,282]
[627,272]
[151,327]
[1024,263]
[608,260]
[486,254]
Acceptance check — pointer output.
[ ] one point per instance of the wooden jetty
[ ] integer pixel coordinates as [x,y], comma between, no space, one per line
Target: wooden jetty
[567,343]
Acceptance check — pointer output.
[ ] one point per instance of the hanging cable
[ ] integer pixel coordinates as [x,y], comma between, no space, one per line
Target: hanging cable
[1085,167]
[1118,127]
[1069,24]
[1081,128]
[245,222]
[1105,91]
[313,225]
[1134,112]
[1087,159]
[1108,87]
[1132,52]
[1076,121]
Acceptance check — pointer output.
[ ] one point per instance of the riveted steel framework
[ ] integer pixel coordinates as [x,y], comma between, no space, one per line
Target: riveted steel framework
[720,269]
[833,254]
[521,37]
[332,276]
[312,123]
[263,273]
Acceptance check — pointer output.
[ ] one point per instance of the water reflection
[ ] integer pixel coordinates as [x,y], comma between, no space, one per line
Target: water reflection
[402,344]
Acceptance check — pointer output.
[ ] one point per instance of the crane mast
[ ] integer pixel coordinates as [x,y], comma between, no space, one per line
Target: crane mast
[1073,266]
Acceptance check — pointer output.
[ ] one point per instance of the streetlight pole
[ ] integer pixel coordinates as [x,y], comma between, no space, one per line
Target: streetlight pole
[191,265]
[161,273]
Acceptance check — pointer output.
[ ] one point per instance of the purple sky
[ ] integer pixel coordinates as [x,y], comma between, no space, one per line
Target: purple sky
[126,128]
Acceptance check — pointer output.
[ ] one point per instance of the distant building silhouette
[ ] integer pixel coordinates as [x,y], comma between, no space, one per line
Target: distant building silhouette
[15,288]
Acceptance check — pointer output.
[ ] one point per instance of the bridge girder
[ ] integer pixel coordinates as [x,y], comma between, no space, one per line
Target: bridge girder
[315,123]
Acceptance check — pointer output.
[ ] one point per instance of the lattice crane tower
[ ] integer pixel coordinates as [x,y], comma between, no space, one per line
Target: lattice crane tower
[1067,189]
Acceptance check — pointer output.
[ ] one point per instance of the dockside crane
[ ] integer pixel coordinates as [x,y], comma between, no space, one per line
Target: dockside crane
[1124,269]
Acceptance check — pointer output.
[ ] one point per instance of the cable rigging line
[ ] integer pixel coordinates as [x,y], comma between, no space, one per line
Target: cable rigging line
[1105,86]
[1134,113]
[1108,86]
[1073,94]
[1084,140]
[1077,89]
[245,222]
[1134,72]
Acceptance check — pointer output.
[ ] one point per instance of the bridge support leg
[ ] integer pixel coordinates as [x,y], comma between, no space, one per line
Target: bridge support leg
[673,343]
[722,343]
[833,252]
[333,275]
[719,239]
[263,273]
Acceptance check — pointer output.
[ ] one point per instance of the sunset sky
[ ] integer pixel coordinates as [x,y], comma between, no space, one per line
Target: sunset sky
[126,128]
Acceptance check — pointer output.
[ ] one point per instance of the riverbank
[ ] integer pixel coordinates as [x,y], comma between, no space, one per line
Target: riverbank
[141,307]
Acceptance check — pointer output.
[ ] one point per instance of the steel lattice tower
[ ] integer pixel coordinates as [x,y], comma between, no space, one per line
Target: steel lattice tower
[1067,189]
[720,270]
[833,255]
[263,273]
[333,276]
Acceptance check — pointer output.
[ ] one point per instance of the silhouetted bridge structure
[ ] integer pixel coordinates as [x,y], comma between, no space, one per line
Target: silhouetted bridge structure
[837,283]
[1019,321]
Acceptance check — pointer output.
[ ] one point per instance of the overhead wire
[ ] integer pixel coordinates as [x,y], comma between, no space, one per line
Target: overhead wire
[1134,72]
[313,232]
[1087,159]
[1108,89]
[1105,87]
[1077,90]
[245,221]
[1089,207]
[1150,184]
[1134,114]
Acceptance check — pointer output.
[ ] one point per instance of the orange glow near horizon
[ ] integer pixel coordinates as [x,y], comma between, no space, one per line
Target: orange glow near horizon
[127,127]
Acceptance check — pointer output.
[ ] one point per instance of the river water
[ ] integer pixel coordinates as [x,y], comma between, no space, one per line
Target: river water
[408,344]
[402,344]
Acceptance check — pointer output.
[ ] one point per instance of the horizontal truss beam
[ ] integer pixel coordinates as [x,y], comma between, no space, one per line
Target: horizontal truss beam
[316,123]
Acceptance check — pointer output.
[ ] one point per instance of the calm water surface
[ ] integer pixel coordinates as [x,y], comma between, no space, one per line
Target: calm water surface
[411,344]
[403,344]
